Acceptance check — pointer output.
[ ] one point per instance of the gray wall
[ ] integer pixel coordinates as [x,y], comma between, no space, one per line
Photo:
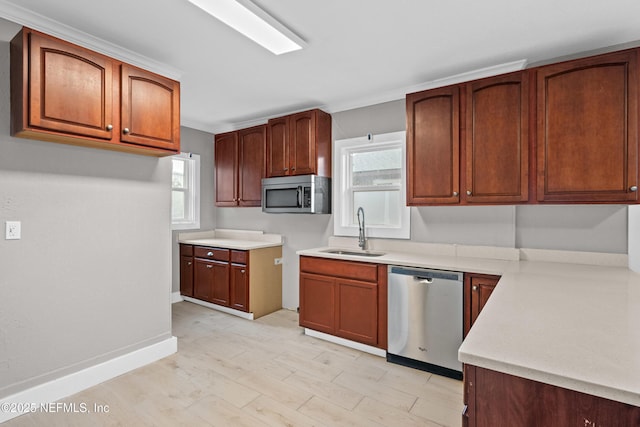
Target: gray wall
[91,276]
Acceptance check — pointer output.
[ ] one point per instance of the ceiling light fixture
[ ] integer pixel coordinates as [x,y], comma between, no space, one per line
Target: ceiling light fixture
[254,23]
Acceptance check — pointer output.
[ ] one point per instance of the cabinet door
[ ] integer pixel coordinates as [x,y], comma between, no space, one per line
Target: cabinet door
[433,147]
[203,280]
[587,137]
[186,276]
[317,303]
[302,143]
[278,147]
[226,165]
[478,289]
[220,286]
[357,311]
[70,88]
[251,168]
[497,140]
[239,287]
[150,109]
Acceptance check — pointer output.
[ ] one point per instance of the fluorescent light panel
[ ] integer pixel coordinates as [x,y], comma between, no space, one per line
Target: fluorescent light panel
[254,23]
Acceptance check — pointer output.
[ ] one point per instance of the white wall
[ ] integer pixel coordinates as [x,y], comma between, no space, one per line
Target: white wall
[91,277]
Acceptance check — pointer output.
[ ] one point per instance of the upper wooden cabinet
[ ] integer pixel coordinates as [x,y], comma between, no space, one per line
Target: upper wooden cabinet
[150,109]
[497,140]
[433,146]
[587,139]
[61,92]
[299,144]
[560,133]
[491,117]
[240,166]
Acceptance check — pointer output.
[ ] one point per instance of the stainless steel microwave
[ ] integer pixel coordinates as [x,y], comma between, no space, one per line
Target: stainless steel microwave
[309,194]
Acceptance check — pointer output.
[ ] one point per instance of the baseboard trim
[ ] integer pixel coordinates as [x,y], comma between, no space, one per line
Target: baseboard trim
[78,381]
[248,316]
[176,297]
[347,343]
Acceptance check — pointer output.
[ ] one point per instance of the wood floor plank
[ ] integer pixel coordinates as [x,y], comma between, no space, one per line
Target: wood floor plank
[233,372]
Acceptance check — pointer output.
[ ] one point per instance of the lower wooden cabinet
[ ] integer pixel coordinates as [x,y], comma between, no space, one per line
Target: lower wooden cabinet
[477,289]
[344,298]
[496,399]
[186,270]
[222,276]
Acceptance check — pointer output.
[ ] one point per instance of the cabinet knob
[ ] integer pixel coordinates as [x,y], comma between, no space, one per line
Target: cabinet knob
[474,288]
[189,263]
[293,169]
[468,192]
[455,194]
[242,271]
[209,253]
[109,127]
[633,188]
[125,131]
[286,169]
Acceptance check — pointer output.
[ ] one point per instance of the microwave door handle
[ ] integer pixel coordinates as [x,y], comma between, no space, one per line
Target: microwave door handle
[299,196]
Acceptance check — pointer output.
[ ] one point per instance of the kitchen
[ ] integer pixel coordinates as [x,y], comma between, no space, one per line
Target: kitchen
[42,174]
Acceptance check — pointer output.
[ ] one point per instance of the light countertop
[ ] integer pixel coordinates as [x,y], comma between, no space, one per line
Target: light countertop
[569,324]
[231,239]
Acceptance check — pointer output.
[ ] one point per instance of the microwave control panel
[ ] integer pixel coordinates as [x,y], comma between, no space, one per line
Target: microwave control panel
[306,197]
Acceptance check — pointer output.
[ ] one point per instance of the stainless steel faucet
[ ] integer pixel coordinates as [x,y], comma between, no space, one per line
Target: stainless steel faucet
[362,241]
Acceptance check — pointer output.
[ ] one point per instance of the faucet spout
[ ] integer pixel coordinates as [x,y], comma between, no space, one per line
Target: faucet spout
[362,240]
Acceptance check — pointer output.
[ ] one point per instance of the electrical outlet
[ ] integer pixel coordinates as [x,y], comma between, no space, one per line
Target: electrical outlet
[277,261]
[12,230]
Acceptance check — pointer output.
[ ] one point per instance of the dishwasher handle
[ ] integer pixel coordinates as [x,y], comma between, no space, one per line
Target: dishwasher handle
[422,273]
[425,280]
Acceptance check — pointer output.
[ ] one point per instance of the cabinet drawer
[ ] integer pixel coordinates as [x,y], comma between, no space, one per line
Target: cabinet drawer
[211,253]
[239,257]
[338,268]
[186,250]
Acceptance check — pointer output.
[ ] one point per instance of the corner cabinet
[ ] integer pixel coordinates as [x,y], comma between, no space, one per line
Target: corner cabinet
[299,144]
[588,129]
[344,298]
[240,166]
[243,280]
[64,93]
[476,293]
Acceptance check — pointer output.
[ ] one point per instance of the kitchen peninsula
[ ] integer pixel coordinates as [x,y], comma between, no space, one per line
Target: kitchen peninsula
[564,320]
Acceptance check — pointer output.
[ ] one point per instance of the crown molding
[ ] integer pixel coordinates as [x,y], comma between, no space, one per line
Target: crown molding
[28,18]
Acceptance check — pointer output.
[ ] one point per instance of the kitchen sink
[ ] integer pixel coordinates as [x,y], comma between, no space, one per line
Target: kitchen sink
[354,253]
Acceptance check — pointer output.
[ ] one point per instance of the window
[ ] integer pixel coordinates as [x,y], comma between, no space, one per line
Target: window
[185,191]
[370,173]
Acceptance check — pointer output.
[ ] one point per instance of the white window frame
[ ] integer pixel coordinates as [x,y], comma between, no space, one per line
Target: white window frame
[343,223]
[192,192]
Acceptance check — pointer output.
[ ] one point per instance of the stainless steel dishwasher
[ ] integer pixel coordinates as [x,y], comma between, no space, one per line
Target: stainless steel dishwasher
[425,319]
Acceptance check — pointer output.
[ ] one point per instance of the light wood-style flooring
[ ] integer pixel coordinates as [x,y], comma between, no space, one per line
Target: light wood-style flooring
[234,372]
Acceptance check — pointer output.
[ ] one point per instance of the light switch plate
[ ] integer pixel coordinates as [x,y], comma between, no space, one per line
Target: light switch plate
[12,230]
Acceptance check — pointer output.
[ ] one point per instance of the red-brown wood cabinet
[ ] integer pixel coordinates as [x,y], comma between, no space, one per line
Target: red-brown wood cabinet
[299,144]
[496,399]
[476,293]
[239,158]
[558,133]
[344,298]
[64,93]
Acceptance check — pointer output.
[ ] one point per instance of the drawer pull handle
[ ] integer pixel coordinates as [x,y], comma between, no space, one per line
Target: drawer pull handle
[209,266]
[209,253]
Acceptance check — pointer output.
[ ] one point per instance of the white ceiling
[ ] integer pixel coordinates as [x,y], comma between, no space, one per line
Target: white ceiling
[359,52]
